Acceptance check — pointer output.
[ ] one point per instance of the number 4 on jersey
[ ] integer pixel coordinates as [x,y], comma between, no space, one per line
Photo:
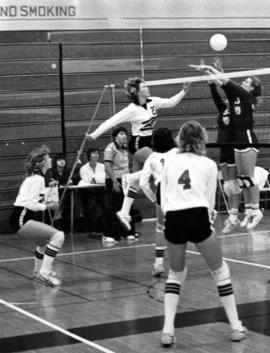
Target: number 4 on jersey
[185,180]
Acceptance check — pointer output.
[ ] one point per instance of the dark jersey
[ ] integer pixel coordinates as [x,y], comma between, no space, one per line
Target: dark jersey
[241,106]
[225,127]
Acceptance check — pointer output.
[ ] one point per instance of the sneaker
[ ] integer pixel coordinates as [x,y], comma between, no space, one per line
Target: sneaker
[124,220]
[47,279]
[167,339]
[245,221]
[229,226]
[158,270]
[130,238]
[108,240]
[36,273]
[257,216]
[239,335]
[125,184]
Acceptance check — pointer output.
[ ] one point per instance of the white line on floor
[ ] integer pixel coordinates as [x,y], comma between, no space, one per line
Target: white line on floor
[80,252]
[57,328]
[235,261]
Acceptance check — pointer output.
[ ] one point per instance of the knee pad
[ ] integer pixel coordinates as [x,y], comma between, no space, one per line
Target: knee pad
[177,277]
[58,239]
[245,181]
[222,274]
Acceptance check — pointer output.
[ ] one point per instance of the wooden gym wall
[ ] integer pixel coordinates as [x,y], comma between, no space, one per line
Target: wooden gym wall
[30,110]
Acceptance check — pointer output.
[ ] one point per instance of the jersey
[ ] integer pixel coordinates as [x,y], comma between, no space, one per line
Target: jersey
[225,128]
[242,106]
[142,118]
[31,194]
[188,181]
[153,167]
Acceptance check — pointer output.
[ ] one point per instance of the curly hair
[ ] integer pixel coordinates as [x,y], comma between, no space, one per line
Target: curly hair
[192,138]
[132,86]
[34,161]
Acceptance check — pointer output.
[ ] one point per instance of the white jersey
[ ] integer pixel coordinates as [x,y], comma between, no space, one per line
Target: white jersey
[31,193]
[188,181]
[153,167]
[142,119]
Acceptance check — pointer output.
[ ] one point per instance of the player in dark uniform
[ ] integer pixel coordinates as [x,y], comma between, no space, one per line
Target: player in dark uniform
[225,134]
[242,99]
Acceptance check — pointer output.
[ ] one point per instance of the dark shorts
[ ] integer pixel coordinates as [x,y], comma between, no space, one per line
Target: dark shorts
[245,137]
[226,155]
[137,142]
[21,215]
[189,225]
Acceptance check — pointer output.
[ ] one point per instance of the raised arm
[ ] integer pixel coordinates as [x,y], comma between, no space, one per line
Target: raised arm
[120,117]
[174,100]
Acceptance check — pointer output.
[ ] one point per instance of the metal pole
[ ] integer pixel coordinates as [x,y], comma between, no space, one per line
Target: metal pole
[62,99]
[142,58]
[77,161]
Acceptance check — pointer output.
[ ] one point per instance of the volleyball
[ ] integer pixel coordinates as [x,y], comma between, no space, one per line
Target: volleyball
[218,42]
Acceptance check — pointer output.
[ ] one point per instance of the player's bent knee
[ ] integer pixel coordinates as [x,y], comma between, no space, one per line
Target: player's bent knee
[58,239]
[222,274]
[178,277]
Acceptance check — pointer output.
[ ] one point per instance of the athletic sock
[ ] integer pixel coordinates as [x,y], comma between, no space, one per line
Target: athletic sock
[225,291]
[49,256]
[38,259]
[171,299]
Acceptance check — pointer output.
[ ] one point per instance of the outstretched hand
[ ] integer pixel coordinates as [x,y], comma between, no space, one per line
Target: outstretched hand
[186,86]
[218,64]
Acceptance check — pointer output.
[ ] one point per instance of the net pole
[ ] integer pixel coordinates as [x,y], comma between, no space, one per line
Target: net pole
[142,56]
[79,152]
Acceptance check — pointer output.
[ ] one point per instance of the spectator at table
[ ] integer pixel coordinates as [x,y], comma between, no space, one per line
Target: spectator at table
[93,199]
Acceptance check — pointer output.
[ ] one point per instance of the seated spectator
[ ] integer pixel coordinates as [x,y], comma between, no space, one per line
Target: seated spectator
[93,199]
[58,176]
[59,172]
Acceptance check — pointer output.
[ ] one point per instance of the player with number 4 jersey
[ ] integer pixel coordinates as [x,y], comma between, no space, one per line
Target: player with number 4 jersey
[188,189]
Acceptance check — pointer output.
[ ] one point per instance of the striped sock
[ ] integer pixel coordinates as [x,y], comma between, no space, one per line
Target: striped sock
[49,256]
[171,298]
[38,259]
[225,291]
[159,252]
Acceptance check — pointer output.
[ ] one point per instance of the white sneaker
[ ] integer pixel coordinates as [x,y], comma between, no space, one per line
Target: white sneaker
[257,216]
[125,184]
[158,270]
[239,335]
[47,279]
[245,221]
[130,238]
[229,226]
[108,240]
[167,339]
[124,220]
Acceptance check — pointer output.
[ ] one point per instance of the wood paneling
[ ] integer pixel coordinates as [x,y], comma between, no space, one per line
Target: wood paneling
[29,51]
